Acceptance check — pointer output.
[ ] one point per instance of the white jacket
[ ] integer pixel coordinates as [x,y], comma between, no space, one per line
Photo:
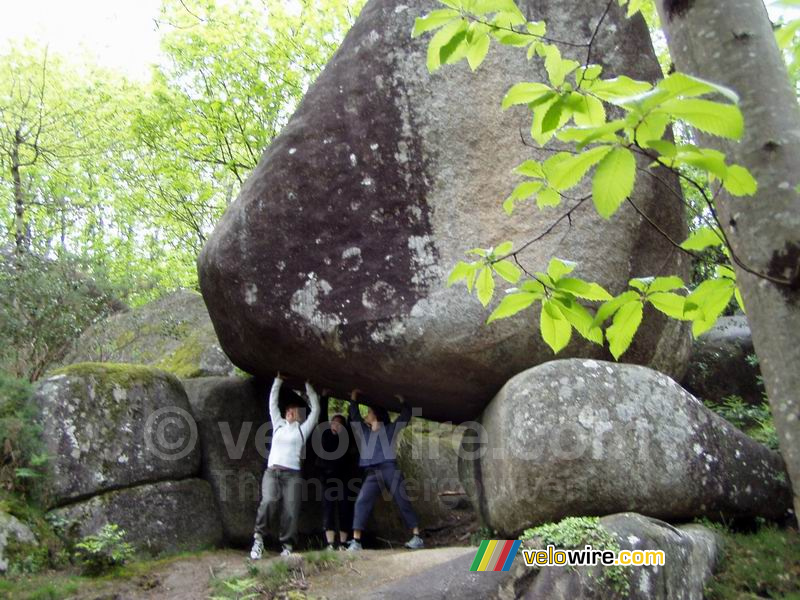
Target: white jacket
[288,439]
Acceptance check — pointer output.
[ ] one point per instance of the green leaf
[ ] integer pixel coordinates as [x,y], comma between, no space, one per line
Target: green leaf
[613,181]
[682,85]
[485,286]
[558,268]
[512,304]
[525,93]
[477,51]
[552,118]
[454,50]
[507,270]
[587,135]
[739,300]
[623,328]
[665,284]
[523,191]
[701,239]
[459,272]
[503,249]
[739,181]
[641,283]
[612,306]
[618,89]
[784,35]
[568,172]
[591,113]
[530,168]
[558,68]
[724,120]
[706,303]
[583,289]
[442,37]
[433,20]
[668,303]
[580,319]
[548,197]
[532,285]
[556,330]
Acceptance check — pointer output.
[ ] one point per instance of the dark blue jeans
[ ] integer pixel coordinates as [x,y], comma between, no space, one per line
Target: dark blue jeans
[387,476]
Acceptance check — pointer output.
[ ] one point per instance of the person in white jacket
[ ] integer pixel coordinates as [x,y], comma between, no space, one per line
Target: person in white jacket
[282,485]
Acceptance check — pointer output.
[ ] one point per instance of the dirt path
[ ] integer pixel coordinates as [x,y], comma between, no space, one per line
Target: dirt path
[191,578]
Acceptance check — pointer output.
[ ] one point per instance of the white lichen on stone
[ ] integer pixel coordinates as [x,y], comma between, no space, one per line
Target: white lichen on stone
[423,260]
[250,294]
[351,257]
[305,303]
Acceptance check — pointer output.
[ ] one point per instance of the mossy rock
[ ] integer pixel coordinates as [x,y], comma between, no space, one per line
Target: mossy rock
[158,518]
[173,333]
[107,426]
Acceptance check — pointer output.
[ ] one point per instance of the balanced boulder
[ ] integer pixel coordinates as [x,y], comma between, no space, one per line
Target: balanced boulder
[584,437]
[108,426]
[333,259]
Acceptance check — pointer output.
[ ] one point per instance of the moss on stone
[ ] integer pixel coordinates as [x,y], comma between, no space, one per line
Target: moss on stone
[184,362]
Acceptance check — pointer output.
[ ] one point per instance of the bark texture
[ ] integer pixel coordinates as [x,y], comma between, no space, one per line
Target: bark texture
[732,43]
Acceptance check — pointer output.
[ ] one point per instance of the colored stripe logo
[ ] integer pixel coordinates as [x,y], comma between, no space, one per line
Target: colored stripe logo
[495,555]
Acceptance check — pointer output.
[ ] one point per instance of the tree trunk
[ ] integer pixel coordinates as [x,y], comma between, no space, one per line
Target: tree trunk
[731,42]
[19,198]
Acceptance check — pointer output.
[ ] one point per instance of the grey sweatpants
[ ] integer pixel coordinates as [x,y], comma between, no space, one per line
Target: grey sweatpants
[281,493]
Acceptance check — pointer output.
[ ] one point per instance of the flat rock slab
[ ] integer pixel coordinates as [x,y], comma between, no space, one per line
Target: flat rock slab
[332,262]
[584,437]
[109,426]
[169,516]
[691,553]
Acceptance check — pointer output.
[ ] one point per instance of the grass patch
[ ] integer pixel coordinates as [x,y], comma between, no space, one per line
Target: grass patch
[279,577]
[764,564]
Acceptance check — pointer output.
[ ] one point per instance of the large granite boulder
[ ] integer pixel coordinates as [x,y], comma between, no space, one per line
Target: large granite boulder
[173,333]
[719,365]
[332,261]
[584,437]
[168,516]
[108,426]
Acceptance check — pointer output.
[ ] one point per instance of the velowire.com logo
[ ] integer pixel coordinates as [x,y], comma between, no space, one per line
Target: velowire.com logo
[495,555]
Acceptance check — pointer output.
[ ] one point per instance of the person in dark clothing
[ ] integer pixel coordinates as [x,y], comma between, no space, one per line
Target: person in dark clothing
[334,463]
[376,438]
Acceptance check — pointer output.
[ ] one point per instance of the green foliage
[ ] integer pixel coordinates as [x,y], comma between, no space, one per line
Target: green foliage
[573,107]
[46,304]
[577,532]
[101,552]
[754,419]
[23,457]
[238,589]
[764,564]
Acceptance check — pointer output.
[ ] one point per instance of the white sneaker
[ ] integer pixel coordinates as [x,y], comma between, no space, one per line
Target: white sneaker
[258,548]
[354,545]
[287,550]
[415,543]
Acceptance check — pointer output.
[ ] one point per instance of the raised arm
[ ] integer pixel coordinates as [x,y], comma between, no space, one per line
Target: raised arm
[274,410]
[353,413]
[405,413]
[308,425]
